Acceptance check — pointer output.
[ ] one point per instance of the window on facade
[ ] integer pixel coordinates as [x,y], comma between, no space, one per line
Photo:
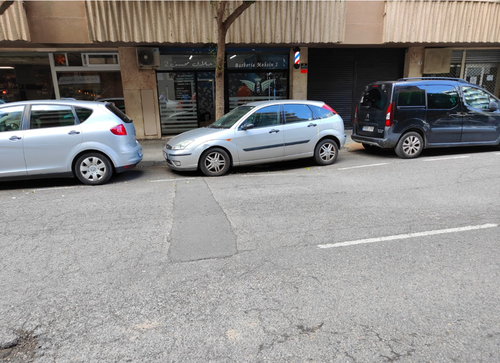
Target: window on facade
[476,98]
[90,86]
[297,113]
[410,97]
[267,116]
[43,116]
[441,97]
[10,118]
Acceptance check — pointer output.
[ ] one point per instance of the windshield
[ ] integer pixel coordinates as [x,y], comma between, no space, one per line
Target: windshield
[230,118]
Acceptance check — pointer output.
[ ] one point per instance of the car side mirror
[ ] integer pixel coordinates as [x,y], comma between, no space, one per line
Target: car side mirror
[247,126]
[493,106]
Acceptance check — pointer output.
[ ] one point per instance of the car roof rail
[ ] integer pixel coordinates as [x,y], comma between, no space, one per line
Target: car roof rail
[461,80]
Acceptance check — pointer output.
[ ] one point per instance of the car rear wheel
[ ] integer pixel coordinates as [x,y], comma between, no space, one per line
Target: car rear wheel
[410,145]
[214,162]
[326,152]
[93,168]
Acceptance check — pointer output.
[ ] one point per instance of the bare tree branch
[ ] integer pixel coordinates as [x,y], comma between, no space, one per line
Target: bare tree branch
[237,12]
[5,5]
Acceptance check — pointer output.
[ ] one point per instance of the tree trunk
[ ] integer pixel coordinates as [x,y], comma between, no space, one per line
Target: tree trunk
[222,27]
[219,68]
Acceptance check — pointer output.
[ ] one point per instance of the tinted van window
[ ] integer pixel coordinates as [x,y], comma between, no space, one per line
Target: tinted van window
[477,98]
[412,96]
[441,97]
[376,97]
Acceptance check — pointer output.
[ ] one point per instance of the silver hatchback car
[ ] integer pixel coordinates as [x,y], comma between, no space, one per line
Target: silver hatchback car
[260,132]
[89,140]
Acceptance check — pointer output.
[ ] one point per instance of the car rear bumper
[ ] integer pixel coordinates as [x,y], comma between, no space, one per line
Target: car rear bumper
[389,142]
[129,158]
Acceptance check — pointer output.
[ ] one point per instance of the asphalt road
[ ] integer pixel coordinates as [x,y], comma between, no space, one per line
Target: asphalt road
[373,259]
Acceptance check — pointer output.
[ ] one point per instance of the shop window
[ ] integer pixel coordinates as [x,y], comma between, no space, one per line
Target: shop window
[25,76]
[247,87]
[90,86]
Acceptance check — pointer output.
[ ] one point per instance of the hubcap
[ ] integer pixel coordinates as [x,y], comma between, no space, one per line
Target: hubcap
[215,162]
[411,145]
[327,152]
[93,168]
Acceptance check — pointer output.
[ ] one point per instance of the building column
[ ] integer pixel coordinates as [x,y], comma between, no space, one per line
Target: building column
[298,80]
[414,62]
[140,94]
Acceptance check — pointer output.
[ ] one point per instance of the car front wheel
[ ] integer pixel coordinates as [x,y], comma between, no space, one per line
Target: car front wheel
[410,145]
[214,162]
[93,169]
[326,152]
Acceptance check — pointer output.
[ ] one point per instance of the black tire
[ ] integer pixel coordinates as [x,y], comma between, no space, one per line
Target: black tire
[410,145]
[215,162]
[326,152]
[93,168]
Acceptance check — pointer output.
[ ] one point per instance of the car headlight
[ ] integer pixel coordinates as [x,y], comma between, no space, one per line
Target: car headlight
[182,145]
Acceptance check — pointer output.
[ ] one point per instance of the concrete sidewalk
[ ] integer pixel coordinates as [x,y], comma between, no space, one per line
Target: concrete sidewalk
[153,150]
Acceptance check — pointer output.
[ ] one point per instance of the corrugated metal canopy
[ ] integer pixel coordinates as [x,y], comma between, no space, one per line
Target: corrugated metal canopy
[14,23]
[436,21]
[265,22]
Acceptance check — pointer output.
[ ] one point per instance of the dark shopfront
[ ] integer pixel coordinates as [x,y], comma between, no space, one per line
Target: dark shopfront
[186,84]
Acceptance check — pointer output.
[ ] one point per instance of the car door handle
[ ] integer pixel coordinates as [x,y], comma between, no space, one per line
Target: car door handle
[274,130]
[312,125]
[14,138]
[73,132]
[458,114]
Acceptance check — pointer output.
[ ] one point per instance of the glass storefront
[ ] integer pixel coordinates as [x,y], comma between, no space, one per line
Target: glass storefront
[186,85]
[78,75]
[25,76]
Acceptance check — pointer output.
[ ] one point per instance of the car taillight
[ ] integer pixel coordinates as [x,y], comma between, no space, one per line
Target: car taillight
[356,115]
[326,107]
[389,115]
[119,130]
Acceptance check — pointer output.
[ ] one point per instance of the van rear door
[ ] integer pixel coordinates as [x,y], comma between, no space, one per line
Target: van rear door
[372,110]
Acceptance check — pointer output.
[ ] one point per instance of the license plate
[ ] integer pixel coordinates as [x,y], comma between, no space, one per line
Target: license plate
[368,128]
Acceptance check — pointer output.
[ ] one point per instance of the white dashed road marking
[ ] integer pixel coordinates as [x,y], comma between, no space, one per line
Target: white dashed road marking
[363,166]
[449,158]
[409,235]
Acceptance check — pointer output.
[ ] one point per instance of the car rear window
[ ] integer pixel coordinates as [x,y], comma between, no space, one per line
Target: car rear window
[111,106]
[376,96]
[320,112]
[83,113]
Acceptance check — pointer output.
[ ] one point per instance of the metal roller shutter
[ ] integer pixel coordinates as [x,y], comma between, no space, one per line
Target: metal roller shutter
[338,76]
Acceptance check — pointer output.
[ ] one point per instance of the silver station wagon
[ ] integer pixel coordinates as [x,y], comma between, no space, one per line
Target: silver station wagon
[260,132]
[49,138]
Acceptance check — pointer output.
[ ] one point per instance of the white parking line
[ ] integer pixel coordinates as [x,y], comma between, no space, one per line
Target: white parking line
[363,166]
[54,188]
[170,180]
[448,158]
[409,235]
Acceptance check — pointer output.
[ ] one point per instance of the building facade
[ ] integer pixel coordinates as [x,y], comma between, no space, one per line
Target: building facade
[157,57]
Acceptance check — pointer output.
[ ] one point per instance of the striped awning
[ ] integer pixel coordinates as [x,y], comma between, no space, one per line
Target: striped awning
[265,22]
[436,21]
[14,23]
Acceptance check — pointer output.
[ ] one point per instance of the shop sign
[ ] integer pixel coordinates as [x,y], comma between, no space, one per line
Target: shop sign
[257,61]
[64,80]
[171,62]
